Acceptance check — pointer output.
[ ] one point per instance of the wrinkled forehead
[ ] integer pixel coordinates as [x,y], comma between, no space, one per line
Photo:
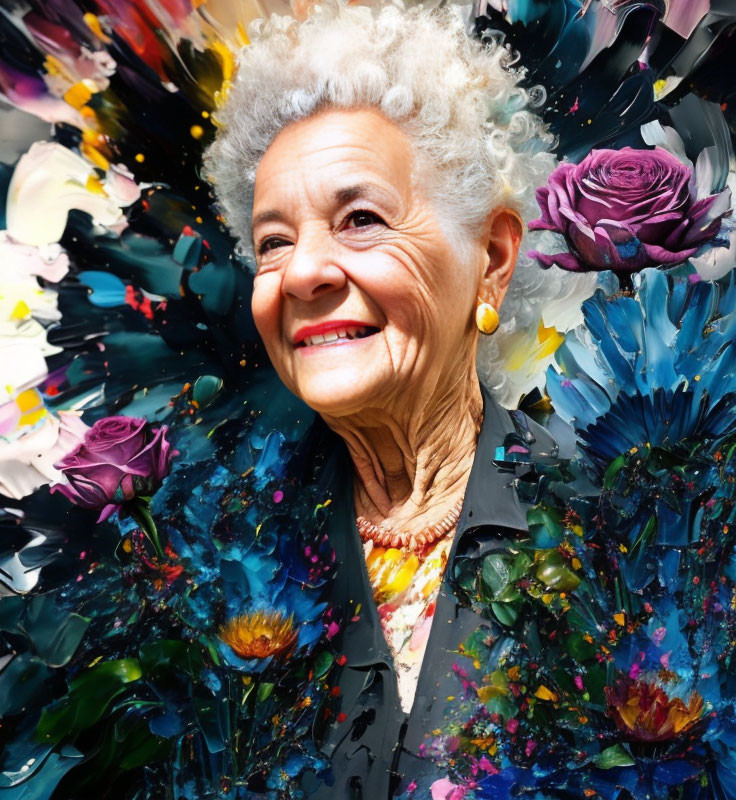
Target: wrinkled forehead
[334,155]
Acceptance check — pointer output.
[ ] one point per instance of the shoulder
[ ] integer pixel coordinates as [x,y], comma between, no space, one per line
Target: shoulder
[517,437]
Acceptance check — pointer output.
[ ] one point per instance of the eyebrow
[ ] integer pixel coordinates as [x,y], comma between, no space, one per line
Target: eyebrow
[341,197]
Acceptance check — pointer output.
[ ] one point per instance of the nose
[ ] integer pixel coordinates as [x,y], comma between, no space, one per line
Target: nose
[312,269]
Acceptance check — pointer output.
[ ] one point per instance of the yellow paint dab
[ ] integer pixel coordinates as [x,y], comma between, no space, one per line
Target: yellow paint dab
[93,23]
[78,95]
[543,693]
[549,340]
[92,154]
[94,186]
[486,693]
[54,67]
[21,310]
[402,578]
[29,400]
[226,59]
[31,407]
[241,36]
[32,417]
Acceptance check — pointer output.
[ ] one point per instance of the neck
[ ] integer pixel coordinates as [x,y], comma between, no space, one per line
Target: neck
[412,465]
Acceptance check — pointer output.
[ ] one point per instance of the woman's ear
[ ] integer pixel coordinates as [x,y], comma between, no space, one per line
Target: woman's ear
[503,232]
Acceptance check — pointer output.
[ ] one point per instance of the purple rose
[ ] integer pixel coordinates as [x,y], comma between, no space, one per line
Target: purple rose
[119,459]
[625,210]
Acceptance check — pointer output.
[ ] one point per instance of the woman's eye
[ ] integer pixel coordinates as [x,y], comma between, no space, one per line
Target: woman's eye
[271,243]
[361,219]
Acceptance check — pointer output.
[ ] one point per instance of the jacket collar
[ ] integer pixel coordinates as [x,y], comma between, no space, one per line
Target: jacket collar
[490,496]
[507,444]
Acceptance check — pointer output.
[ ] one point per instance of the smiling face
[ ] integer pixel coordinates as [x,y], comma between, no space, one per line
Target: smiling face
[359,296]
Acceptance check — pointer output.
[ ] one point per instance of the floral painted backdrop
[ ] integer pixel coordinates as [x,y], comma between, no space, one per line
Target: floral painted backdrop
[164,630]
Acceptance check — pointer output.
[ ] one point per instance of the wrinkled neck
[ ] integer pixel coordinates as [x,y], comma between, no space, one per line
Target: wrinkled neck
[412,462]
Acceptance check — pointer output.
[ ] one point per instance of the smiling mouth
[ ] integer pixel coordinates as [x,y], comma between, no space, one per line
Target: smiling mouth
[339,335]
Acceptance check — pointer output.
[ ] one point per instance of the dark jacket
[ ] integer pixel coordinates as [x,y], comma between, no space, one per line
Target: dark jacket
[374,750]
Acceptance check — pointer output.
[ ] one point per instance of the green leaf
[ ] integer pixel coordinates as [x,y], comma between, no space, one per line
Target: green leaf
[554,573]
[509,595]
[264,691]
[125,744]
[213,719]
[171,655]
[545,525]
[496,573]
[505,613]
[322,664]
[11,609]
[88,698]
[520,567]
[579,648]
[54,634]
[40,781]
[612,472]
[614,756]
[23,683]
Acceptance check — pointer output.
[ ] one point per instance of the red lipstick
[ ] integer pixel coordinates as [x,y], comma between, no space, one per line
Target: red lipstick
[326,327]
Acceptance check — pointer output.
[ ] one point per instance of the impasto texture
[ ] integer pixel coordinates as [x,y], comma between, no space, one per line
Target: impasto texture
[164,619]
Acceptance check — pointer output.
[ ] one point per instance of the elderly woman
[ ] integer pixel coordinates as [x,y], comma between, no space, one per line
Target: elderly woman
[376,167]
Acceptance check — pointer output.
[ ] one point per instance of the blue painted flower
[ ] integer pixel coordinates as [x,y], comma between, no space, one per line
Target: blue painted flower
[649,371]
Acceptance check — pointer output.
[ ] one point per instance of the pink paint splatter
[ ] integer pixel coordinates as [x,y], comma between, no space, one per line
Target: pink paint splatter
[444,789]
[488,766]
[658,636]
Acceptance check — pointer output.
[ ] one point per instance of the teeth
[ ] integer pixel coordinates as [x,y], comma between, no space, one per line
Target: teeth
[333,336]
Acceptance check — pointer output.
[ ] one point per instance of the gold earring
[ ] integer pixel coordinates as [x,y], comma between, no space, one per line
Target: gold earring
[486,318]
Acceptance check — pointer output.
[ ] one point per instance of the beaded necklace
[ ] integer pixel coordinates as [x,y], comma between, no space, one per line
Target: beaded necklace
[384,536]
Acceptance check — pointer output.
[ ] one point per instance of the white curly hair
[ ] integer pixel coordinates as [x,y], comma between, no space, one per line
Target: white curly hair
[459,99]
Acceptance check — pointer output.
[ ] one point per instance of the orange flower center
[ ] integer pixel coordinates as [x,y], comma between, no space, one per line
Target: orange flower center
[645,711]
[260,634]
